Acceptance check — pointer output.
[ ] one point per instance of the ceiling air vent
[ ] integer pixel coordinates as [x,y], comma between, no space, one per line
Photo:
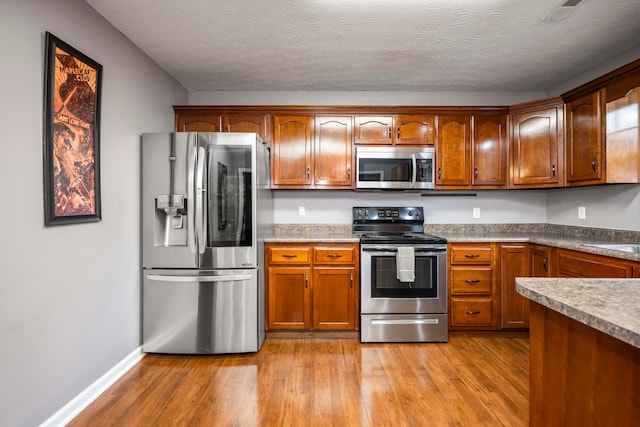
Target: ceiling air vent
[561,12]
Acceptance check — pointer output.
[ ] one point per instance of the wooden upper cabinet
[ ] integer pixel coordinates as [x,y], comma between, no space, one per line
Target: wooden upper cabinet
[537,145]
[453,152]
[291,150]
[248,123]
[585,146]
[414,130]
[197,122]
[332,152]
[623,132]
[489,151]
[395,130]
[377,130]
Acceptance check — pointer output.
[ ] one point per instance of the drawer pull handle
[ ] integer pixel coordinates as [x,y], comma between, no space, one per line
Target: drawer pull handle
[472,281]
[350,280]
[306,280]
[334,256]
[471,255]
[472,312]
[289,255]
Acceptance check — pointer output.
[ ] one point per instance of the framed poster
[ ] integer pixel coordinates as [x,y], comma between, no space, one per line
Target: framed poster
[71,135]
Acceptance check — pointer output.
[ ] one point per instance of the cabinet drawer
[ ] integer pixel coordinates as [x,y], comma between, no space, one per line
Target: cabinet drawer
[470,255]
[470,280]
[471,311]
[286,255]
[333,255]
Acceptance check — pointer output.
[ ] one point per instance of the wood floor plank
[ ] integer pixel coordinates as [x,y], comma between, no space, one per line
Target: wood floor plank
[316,381]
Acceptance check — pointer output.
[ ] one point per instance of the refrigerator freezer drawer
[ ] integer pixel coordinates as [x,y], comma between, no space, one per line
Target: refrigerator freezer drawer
[200,312]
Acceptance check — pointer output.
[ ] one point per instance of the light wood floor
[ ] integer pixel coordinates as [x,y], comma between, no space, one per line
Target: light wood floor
[473,380]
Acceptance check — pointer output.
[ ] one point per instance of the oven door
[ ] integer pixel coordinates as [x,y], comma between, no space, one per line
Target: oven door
[383,293]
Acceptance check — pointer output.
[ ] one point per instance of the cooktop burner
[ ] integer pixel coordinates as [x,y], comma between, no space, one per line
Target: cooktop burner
[391,225]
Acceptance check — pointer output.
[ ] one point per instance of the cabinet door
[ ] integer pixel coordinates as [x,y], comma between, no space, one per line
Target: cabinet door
[540,261]
[247,123]
[623,132]
[585,148]
[197,122]
[514,262]
[332,163]
[584,265]
[289,298]
[415,130]
[636,271]
[490,151]
[453,152]
[373,130]
[334,294]
[291,151]
[535,142]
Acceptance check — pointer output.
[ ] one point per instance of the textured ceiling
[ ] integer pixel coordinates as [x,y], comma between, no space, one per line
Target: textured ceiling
[375,45]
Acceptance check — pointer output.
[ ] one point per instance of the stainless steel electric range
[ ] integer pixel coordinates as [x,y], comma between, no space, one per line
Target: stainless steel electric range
[403,276]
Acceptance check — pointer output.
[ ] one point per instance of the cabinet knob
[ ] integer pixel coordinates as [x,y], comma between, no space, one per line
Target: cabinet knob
[553,170]
[308,172]
[439,173]
[544,263]
[349,172]
[398,133]
[475,173]
[390,132]
[594,164]
[351,280]
[306,280]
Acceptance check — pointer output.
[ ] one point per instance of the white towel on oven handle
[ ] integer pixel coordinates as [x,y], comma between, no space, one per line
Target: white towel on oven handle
[405,264]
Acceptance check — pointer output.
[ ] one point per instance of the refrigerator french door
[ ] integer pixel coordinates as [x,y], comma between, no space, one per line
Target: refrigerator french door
[205,204]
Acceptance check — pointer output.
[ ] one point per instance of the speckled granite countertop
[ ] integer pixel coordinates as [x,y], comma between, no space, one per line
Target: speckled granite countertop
[311,233]
[567,237]
[611,306]
[559,236]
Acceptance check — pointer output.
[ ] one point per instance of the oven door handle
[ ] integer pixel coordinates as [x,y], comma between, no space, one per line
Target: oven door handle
[405,322]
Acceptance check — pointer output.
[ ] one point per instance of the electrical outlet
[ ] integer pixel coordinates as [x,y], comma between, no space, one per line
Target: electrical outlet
[302,212]
[582,212]
[476,212]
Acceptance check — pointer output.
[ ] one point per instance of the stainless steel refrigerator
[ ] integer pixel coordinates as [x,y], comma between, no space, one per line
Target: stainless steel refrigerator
[206,204]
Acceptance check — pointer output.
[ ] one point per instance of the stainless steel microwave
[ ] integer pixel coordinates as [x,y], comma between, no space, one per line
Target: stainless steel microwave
[391,168]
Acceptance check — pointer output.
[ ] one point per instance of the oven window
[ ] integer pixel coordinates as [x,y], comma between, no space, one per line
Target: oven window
[384,283]
[384,170]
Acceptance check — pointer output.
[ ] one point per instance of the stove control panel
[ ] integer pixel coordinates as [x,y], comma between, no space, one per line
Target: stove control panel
[371,214]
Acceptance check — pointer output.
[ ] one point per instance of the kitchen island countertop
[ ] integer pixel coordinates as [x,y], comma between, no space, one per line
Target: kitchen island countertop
[611,306]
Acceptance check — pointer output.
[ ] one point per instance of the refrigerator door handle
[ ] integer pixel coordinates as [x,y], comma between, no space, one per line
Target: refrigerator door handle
[191,222]
[229,278]
[200,195]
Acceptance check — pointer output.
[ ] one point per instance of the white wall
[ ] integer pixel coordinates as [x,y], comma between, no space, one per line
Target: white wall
[607,206]
[364,98]
[496,207]
[69,295]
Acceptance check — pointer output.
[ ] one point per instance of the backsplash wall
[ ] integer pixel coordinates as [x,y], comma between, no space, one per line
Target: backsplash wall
[334,207]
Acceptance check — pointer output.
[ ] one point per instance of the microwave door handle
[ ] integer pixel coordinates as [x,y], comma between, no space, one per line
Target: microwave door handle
[200,195]
[414,172]
[191,215]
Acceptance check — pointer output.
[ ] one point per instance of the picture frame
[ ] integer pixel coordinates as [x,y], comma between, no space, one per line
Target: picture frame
[71,147]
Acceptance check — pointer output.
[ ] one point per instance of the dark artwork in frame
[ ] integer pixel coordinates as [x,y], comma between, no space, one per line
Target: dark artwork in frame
[72,87]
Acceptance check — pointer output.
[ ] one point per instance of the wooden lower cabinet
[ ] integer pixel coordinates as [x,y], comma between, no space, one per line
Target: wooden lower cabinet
[514,308]
[473,287]
[584,265]
[312,287]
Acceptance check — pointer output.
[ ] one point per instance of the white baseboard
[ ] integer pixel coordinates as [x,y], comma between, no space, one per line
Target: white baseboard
[82,400]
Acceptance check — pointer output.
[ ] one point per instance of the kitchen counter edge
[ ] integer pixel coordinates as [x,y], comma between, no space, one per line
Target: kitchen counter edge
[611,306]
